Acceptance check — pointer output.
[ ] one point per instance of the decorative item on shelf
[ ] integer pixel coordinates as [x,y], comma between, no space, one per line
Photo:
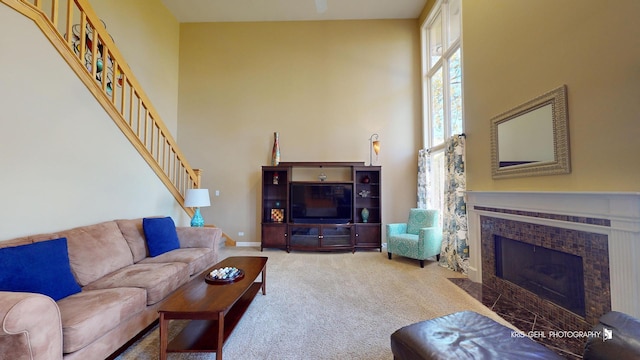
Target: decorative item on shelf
[197,198]
[88,56]
[275,153]
[322,176]
[375,146]
[276,178]
[365,215]
[366,179]
[277,215]
[364,193]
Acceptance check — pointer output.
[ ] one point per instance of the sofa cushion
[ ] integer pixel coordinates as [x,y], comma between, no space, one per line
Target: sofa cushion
[159,280]
[134,235]
[198,259]
[97,250]
[161,235]
[16,242]
[88,315]
[41,267]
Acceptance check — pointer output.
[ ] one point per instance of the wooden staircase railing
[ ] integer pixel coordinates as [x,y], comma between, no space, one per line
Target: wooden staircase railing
[82,40]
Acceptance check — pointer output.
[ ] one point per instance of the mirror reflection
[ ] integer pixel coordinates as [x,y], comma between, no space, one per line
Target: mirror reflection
[532,139]
[527,138]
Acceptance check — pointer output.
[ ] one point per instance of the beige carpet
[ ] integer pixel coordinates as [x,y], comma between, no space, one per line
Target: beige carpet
[331,306]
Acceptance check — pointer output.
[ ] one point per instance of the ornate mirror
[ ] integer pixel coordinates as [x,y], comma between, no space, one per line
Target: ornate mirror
[533,138]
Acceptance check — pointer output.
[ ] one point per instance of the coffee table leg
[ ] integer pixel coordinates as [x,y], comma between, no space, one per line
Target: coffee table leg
[220,335]
[264,280]
[163,337]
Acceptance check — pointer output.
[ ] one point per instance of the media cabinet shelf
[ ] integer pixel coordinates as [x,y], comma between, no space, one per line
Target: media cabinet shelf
[280,231]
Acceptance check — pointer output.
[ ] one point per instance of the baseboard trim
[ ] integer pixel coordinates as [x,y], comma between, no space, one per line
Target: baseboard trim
[247,244]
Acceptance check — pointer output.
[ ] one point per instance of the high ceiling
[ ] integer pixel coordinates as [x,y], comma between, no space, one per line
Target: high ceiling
[292,10]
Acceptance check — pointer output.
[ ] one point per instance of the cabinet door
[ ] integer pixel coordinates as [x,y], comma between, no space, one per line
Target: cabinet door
[368,236]
[367,195]
[336,236]
[301,236]
[274,236]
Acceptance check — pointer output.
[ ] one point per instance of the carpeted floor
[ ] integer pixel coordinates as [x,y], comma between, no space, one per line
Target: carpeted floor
[331,306]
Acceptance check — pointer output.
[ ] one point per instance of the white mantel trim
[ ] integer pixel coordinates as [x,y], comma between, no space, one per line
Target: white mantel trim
[621,208]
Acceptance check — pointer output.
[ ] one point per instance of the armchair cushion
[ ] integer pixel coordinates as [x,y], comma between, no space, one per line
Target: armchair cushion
[418,219]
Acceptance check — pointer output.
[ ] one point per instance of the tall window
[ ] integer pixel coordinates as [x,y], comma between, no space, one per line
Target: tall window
[442,86]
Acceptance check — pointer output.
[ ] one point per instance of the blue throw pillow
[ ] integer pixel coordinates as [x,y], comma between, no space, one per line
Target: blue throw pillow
[41,267]
[161,235]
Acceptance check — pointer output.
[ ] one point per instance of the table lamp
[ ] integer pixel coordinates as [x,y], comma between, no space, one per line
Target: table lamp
[197,198]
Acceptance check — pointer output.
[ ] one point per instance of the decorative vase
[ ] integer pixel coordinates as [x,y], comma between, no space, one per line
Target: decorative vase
[365,215]
[197,220]
[275,154]
[366,179]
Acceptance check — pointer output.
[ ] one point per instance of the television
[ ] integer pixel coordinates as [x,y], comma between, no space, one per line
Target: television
[321,203]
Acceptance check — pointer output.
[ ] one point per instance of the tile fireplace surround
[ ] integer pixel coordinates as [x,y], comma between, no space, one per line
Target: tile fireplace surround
[603,228]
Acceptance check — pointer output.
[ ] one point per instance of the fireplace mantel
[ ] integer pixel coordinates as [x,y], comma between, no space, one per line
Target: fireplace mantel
[614,214]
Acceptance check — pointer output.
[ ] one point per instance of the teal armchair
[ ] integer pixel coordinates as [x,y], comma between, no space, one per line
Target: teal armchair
[420,238]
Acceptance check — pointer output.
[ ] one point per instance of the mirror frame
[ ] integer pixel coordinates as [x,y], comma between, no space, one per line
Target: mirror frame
[561,163]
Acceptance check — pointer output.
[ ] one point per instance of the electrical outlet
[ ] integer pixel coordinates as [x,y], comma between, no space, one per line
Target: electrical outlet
[241,233]
[217,192]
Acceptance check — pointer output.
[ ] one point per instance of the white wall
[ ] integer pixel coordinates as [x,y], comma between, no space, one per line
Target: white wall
[325,86]
[63,162]
[517,50]
[148,36]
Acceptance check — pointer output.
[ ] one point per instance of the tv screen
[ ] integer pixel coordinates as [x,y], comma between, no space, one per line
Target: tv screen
[314,203]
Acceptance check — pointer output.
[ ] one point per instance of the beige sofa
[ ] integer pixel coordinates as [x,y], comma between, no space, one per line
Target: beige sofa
[122,288]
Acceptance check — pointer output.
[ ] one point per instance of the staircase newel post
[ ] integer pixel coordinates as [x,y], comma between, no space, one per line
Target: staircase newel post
[198,180]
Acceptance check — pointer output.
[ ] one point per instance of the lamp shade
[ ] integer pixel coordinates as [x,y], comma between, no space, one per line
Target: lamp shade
[197,198]
[376,147]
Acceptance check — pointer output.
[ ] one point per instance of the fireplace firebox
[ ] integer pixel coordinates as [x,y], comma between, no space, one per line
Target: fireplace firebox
[551,274]
[558,234]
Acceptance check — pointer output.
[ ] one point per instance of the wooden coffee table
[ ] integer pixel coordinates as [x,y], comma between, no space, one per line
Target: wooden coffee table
[214,310]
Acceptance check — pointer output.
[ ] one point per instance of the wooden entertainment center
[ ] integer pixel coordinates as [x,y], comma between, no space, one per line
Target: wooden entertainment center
[322,213]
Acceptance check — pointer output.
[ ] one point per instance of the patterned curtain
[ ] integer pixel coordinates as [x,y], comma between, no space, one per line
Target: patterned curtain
[455,248]
[424,178]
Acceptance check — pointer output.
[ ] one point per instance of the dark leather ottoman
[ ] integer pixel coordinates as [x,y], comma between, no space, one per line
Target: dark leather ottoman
[622,342]
[464,335]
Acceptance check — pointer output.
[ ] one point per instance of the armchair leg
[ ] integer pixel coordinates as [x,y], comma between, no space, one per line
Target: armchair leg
[421,263]
[389,255]
[438,257]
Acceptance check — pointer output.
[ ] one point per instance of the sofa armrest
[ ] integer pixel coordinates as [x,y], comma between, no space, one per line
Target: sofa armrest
[31,327]
[199,237]
[624,343]
[395,229]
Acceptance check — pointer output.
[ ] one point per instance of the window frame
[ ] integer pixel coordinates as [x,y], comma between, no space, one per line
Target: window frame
[449,48]
[441,8]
